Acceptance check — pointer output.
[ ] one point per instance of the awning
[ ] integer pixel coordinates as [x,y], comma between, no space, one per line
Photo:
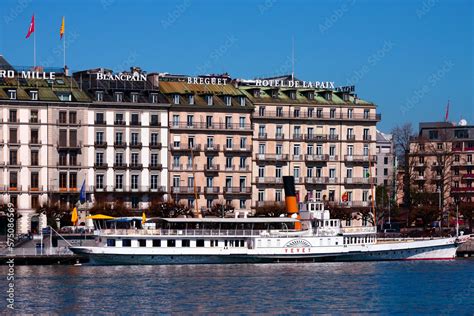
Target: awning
[99,216]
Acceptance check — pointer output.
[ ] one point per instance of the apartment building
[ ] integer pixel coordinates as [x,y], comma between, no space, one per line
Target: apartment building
[210,149]
[441,161]
[126,145]
[323,137]
[386,160]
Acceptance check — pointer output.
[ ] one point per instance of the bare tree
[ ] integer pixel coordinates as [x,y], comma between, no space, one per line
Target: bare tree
[402,137]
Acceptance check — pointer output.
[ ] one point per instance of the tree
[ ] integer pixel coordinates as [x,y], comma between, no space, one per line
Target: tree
[115,209]
[169,210]
[55,212]
[220,209]
[271,210]
[402,136]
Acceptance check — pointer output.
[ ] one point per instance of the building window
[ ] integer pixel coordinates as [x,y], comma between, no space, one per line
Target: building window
[99,181]
[64,96]
[12,94]
[12,118]
[119,119]
[134,97]
[261,111]
[134,159]
[119,181]
[242,101]
[118,97]
[99,96]
[154,160]
[34,158]
[34,116]
[34,137]
[135,119]
[154,139]
[154,121]
[332,113]
[228,100]
[154,98]
[154,181]
[433,134]
[279,111]
[99,118]
[34,180]
[13,180]
[191,99]
[13,157]
[62,180]
[261,195]
[209,99]
[34,95]
[134,181]
[175,98]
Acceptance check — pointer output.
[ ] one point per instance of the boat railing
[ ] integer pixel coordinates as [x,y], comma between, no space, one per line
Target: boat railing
[358,229]
[192,232]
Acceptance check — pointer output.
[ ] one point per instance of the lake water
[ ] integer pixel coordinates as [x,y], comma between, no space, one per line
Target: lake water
[430,287]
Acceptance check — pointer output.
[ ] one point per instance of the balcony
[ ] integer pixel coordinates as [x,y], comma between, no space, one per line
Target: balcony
[297,157]
[262,136]
[269,180]
[100,165]
[298,137]
[316,158]
[120,166]
[100,122]
[367,138]
[155,145]
[185,190]
[185,148]
[70,146]
[136,145]
[120,144]
[157,189]
[237,190]
[316,180]
[212,148]
[332,180]
[244,168]
[359,158]
[100,144]
[65,123]
[155,123]
[350,138]
[35,143]
[272,157]
[315,137]
[211,126]
[211,190]
[136,166]
[358,180]
[211,168]
[285,115]
[333,137]
[156,166]
[279,136]
[14,164]
[65,165]
[37,188]
[238,149]
[135,123]
[119,123]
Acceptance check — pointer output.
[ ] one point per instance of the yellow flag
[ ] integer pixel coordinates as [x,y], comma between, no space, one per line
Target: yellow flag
[61,30]
[74,217]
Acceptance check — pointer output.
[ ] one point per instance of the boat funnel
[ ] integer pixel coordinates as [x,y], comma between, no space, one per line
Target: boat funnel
[290,199]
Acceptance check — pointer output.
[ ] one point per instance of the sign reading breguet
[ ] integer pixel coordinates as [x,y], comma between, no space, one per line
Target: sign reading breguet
[207,80]
[27,74]
[294,84]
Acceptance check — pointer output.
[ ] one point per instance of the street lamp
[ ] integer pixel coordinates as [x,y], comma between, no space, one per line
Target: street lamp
[439,208]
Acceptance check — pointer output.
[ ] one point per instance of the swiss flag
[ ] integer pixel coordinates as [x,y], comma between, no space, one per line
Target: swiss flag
[31,29]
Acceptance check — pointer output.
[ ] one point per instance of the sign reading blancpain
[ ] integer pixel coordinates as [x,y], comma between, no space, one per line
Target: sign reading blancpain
[121,77]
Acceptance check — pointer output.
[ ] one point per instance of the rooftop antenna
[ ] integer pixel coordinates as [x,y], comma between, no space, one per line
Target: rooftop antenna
[293,58]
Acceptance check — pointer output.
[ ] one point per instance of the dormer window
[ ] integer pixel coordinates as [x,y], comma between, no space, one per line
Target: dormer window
[256,93]
[64,96]
[311,95]
[209,99]
[99,96]
[293,95]
[34,95]
[228,100]
[274,93]
[345,97]
[191,99]
[242,101]
[134,97]
[154,98]
[175,98]
[328,96]
[118,97]
[12,94]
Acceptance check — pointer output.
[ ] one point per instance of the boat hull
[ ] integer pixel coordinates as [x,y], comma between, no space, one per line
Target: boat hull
[432,250]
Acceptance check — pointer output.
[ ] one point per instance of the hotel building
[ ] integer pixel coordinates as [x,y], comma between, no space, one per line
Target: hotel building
[441,161]
[324,138]
[385,160]
[126,145]
[210,141]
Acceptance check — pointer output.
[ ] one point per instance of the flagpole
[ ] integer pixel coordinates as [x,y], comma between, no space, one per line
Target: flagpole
[64,45]
[34,49]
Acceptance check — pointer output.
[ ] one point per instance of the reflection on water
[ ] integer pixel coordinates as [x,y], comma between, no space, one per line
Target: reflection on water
[379,287]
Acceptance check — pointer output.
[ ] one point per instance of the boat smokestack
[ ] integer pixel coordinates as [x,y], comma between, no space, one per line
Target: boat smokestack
[290,199]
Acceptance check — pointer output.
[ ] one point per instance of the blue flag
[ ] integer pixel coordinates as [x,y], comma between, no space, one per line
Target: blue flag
[82,194]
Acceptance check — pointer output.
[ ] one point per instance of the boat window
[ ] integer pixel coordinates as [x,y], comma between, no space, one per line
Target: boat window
[110,242]
[141,242]
[226,243]
[171,243]
[156,243]
[126,243]
[242,243]
[185,243]
[200,243]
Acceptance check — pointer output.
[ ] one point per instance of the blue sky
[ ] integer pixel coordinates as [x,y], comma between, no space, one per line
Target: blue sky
[408,57]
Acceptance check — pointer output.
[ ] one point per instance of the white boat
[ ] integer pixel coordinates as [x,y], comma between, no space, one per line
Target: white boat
[313,236]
